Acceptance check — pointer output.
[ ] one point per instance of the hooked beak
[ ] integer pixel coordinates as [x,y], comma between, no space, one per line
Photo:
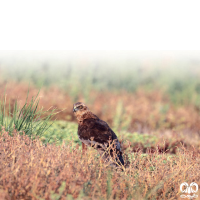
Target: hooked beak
[75,109]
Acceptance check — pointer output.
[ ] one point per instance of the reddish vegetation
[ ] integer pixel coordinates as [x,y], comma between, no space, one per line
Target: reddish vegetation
[140,112]
[31,170]
[167,147]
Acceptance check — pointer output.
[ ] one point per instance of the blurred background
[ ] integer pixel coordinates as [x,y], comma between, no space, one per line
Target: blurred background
[132,90]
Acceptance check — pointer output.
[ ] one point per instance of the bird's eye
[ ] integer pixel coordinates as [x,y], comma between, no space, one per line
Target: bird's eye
[80,107]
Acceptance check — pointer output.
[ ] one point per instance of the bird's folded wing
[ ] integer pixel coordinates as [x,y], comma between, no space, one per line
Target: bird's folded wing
[96,131]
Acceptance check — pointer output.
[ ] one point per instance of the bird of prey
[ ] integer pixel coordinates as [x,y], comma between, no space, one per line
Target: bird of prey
[95,132]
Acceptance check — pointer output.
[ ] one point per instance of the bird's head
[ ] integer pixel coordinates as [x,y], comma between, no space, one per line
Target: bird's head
[79,109]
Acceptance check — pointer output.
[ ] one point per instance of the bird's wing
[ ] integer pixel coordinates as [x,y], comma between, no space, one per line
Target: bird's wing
[97,131]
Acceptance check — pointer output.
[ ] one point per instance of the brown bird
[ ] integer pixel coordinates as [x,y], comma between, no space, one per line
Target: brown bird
[94,132]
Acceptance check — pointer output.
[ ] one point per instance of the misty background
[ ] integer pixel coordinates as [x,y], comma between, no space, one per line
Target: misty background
[177,73]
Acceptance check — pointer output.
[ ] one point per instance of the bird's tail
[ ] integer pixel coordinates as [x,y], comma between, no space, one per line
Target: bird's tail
[120,158]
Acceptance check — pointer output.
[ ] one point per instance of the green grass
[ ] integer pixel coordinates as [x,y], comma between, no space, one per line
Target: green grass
[28,119]
[61,130]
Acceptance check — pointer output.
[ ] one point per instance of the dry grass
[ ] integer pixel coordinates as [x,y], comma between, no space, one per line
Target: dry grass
[31,170]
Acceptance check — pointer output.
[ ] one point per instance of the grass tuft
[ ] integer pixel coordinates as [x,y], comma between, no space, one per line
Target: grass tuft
[28,119]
